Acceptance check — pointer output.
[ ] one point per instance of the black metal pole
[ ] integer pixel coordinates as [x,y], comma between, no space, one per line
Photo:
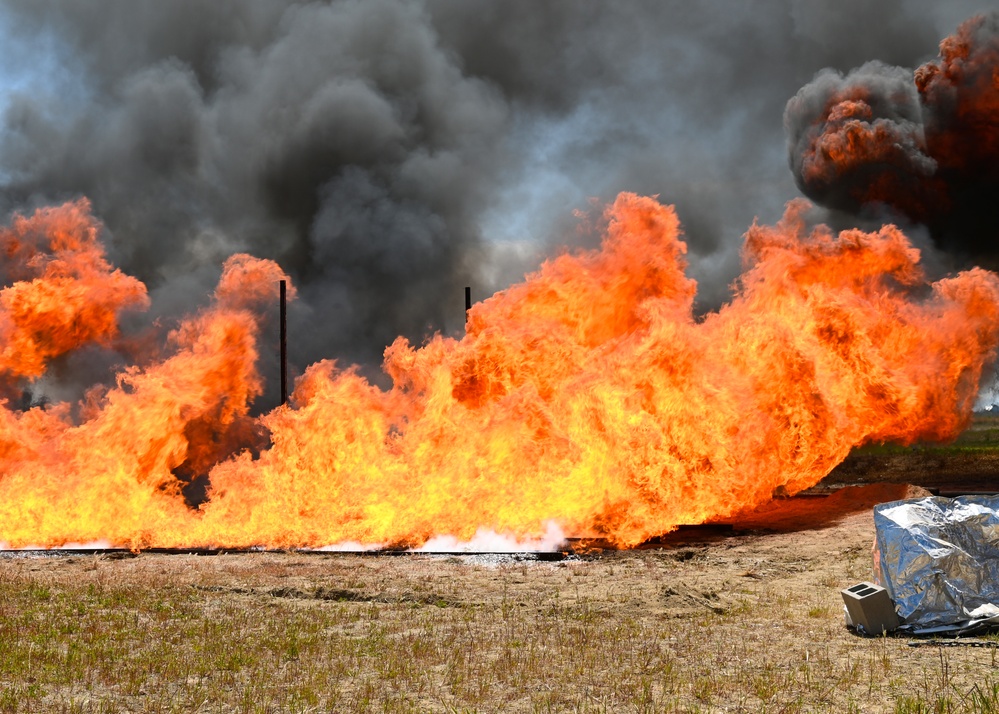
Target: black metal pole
[468,302]
[284,342]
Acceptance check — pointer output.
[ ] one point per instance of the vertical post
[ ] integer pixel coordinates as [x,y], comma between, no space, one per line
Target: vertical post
[468,303]
[284,342]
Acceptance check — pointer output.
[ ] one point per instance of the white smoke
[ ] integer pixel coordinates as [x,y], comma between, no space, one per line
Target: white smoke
[486,540]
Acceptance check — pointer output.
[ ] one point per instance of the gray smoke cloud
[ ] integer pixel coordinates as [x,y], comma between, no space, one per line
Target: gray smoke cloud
[389,152]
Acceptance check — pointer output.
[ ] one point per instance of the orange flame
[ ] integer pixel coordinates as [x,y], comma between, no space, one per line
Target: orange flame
[588,395]
[63,294]
[111,478]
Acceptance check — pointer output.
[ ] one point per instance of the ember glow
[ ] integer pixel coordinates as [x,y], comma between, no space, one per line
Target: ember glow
[587,398]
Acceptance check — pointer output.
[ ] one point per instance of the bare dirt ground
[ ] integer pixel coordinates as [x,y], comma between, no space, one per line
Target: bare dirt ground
[947,472]
[745,619]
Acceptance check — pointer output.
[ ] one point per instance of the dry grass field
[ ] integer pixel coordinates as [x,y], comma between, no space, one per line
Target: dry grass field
[747,620]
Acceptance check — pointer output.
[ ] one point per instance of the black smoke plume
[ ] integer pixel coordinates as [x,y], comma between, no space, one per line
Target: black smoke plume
[923,144]
[389,152]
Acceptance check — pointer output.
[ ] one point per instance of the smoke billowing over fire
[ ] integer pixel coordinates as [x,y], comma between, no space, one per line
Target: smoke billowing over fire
[924,144]
[595,396]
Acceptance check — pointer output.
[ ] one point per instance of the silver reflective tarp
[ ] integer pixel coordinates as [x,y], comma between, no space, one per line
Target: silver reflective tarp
[938,558]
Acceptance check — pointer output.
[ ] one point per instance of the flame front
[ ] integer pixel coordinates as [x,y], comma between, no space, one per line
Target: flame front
[589,395]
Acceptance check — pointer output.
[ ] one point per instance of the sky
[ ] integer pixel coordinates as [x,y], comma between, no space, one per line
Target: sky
[390,152]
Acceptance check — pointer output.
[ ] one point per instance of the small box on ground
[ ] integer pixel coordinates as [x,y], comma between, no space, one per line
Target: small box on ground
[870,609]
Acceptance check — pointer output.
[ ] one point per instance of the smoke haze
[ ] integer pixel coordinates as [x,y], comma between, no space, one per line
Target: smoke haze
[387,153]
